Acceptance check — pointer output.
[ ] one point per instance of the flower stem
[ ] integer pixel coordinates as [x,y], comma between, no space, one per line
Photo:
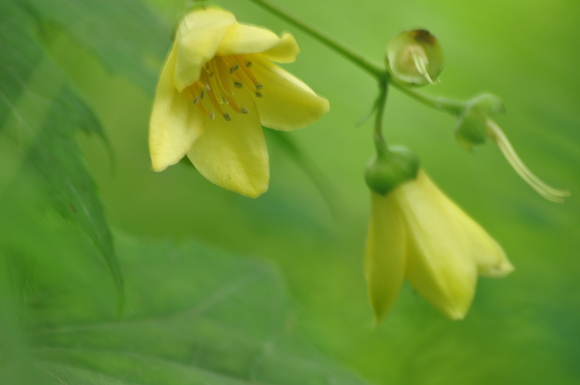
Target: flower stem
[381,103]
[451,106]
[454,107]
[372,68]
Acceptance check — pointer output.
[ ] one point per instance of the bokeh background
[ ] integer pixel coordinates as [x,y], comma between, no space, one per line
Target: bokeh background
[521,329]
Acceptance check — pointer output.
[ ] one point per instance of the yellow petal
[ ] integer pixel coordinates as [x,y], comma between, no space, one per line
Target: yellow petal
[285,51]
[441,265]
[233,154]
[198,37]
[243,39]
[489,257]
[385,254]
[175,124]
[287,102]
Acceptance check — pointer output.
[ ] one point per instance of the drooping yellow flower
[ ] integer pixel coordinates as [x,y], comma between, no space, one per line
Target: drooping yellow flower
[417,233]
[217,88]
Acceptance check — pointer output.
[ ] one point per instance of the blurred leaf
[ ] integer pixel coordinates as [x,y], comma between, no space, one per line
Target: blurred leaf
[194,315]
[39,117]
[307,165]
[124,34]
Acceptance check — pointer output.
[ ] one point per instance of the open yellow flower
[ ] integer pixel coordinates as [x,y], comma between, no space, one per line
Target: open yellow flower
[417,233]
[217,88]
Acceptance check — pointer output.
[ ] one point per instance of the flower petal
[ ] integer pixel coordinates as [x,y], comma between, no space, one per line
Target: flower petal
[287,102]
[175,122]
[243,39]
[385,255]
[233,154]
[285,51]
[198,37]
[441,265]
[489,256]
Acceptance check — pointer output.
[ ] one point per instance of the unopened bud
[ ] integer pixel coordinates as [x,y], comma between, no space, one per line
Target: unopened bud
[415,57]
[471,128]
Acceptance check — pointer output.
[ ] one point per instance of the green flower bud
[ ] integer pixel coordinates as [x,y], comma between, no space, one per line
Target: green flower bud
[415,57]
[391,168]
[471,128]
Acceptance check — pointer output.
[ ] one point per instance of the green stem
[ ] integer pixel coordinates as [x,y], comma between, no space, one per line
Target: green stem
[454,107]
[381,103]
[351,55]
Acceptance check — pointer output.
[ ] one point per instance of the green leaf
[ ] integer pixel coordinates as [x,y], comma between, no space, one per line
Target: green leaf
[124,34]
[40,115]
[194,315]
[294,151]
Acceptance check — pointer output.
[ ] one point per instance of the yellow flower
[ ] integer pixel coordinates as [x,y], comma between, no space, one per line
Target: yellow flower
[217,88]
[417,233]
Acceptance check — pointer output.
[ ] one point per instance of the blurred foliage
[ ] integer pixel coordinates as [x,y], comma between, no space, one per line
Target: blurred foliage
[196,315]
[222,288]
[46,114]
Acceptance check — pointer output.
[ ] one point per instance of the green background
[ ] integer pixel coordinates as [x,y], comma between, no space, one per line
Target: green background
[286,269]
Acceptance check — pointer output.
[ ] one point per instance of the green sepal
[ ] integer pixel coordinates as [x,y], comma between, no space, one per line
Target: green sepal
[390,168]
[472,121]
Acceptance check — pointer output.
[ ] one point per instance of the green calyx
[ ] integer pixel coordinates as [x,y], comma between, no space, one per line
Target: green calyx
[390,168]
[472,122]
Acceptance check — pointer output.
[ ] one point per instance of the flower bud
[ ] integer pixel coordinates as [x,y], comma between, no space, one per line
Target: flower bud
[471,128]
[390,168]
[415,57]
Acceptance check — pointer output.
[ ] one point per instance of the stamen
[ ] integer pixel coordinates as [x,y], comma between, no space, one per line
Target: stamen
[231,63]
[203,110]
[193,94]
[224,77]
[215,90]
[220,89]
[215,103]
[233,104]
[202,85]
[548,192]
[246,71]
[189,93]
